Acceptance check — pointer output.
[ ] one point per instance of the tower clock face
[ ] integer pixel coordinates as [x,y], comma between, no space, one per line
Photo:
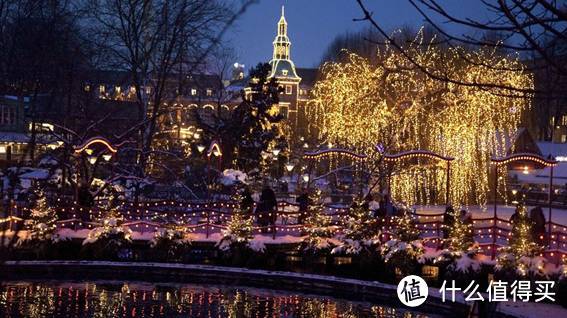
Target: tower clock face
[281,50]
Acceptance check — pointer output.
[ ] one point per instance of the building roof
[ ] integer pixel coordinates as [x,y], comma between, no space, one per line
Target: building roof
[283,69]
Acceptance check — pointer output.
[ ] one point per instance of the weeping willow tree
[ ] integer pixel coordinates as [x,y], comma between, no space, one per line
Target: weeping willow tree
[392,102]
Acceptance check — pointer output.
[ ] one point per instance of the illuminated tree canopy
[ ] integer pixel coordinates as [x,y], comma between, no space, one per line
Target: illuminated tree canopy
[359,104]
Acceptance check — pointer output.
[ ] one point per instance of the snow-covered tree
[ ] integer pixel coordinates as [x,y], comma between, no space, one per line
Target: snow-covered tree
[41,226]
[110,239]
[318,227]
[239,230]
[360,231]
[406,249]
[461,250]
[522,255]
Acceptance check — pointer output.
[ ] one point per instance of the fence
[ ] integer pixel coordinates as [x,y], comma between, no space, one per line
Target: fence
[210,218]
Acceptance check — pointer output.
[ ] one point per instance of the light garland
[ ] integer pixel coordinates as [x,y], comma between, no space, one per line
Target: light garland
[358,104]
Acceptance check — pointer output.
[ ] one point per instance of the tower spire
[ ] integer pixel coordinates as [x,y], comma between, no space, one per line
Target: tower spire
[283,11]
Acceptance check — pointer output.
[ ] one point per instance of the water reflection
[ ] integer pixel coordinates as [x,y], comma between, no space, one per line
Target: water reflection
[112,299]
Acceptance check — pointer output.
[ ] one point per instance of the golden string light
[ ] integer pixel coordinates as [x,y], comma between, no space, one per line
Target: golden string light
[358,104]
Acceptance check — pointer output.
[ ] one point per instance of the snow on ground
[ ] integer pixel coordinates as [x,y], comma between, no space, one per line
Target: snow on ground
[531,309]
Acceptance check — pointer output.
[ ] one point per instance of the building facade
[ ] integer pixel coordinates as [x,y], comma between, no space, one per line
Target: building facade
[295,83]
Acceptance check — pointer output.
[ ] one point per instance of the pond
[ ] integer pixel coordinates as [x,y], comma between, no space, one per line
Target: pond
[134,299]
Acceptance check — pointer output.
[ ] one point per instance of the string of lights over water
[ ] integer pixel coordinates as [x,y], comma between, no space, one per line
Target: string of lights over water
[116,299]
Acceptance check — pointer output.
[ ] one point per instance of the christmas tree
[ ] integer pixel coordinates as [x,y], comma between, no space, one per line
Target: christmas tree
[255,126]
[41,225]
[405,250]
[522,255]
[111,239]
[360,230]
[239,230]
[317,225]
[461,250]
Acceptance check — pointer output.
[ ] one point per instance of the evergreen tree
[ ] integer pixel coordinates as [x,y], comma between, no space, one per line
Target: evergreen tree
[522,255]
[460,235]
[360,230]
[239,230]
[41,225]
[317,225]
[110,239]
[253,127]
[405,250]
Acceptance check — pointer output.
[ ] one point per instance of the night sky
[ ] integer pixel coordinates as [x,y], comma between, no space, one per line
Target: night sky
[313,24]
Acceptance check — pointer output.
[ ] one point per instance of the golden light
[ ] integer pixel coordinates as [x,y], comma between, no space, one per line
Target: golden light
[289,167]
[201,148]
[106,157]
[305,178]
[359,103]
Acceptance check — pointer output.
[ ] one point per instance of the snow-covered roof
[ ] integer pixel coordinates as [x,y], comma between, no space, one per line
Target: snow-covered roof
[554,149]
[37,174]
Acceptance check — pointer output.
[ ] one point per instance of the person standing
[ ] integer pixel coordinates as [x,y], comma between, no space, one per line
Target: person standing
[303,201]
[267,208]
[538,224]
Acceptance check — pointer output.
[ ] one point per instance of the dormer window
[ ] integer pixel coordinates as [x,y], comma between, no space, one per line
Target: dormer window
[193,91]
[117,89]
[209,92]
[284,72]
[101,89]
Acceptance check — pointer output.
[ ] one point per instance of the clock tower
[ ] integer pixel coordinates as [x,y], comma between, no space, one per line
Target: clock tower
[283,70]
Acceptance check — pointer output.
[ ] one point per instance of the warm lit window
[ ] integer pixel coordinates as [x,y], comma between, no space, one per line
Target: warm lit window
[193,91]
[288,89]
[101,89]
[148,90]
[209,92]
[87,88]
[564,120]
[284,72]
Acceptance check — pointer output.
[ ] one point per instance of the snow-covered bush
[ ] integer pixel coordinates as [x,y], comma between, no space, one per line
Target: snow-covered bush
[405,250]
[360,232]
[231,177]
[111,239]
[169,244]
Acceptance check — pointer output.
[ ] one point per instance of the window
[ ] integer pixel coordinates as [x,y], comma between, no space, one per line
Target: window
[193,91]
[101,89]
[117,89]
[284,72]
[563,138]
[209,92]
[288,89]
[564,120]
[7,115]
[148,90]
[283,111]
[87,88]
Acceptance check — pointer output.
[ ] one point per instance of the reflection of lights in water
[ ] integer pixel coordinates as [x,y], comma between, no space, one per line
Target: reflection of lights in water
[146,300]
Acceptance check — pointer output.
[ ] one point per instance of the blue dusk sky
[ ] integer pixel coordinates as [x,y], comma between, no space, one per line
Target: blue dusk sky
[313,24]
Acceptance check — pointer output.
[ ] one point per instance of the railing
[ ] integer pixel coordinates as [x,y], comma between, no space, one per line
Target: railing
[210,218]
